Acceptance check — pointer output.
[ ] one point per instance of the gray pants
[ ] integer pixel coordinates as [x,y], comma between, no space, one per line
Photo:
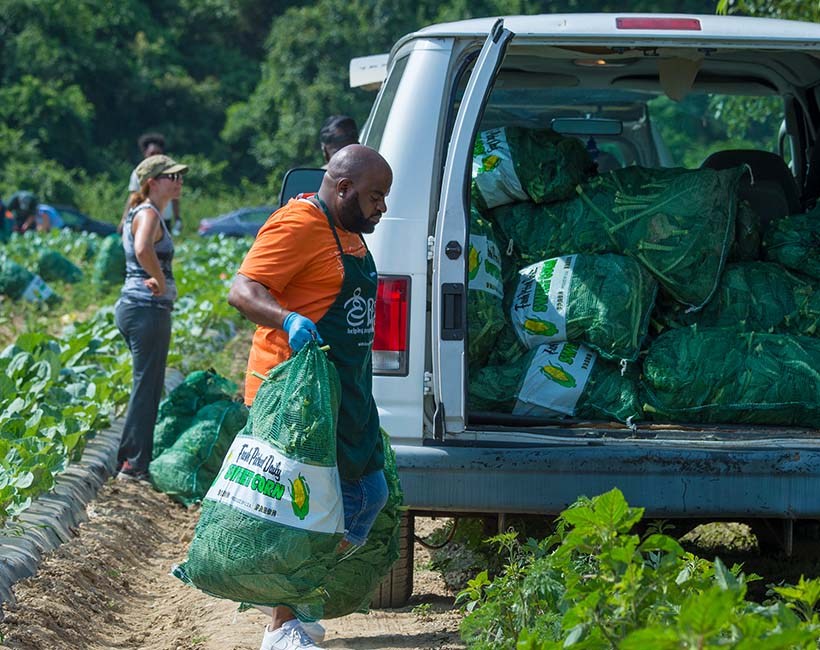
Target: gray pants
[147,331]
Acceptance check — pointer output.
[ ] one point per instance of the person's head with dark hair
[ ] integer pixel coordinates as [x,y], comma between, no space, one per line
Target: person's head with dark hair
[151,144]
[338,131]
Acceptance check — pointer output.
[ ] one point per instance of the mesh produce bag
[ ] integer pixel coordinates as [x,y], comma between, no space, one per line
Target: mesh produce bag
[186,470]
[485,310]
[53,266]
[677,223]
[603,301]
[751,297]
[515,164]
[273,518]
[109,267]
[722,376]
[19,283]
[178,411]
[554,380]
[353,579]
[794,242]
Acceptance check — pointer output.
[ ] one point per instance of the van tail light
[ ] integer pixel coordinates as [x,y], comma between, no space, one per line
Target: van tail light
[392,318]
[683,24]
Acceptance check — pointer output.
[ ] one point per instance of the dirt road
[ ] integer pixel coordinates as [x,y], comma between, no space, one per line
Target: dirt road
[109,588]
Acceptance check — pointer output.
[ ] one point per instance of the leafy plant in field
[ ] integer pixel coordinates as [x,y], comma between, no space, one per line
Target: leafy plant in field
[594,584]
[69,370]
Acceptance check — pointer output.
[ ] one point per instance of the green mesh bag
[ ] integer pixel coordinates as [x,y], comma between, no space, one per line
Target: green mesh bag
[516,164]
[353,579]
[754,297]
[178,411]
[603,301]
[557,380]
[485,294]
[18,283]
[109,266]
[678,223]
[718,375]
[794,242]
[167,430]
[54,266]
[273,518]
[187,468]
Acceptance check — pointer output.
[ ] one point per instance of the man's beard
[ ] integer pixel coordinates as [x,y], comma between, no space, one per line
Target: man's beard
[353,219]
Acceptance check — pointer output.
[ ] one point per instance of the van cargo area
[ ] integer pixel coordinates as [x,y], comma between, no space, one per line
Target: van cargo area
[622,279]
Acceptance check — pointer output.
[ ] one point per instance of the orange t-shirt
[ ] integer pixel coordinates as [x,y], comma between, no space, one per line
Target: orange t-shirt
[296,257]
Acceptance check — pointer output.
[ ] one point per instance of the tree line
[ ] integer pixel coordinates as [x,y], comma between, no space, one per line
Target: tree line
[238,87]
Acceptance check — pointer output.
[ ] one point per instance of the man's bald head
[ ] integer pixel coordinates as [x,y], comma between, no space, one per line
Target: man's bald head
[355,186]
[356,161]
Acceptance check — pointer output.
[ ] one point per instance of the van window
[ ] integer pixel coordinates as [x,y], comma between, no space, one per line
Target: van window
[381,111]
[702,124]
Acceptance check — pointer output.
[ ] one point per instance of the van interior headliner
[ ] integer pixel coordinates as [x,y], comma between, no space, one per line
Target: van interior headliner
[660,70]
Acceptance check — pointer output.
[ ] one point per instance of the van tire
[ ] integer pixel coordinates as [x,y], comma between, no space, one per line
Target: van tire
[397,586]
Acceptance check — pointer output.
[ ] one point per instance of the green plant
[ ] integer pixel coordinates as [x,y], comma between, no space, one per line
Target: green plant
[596,584]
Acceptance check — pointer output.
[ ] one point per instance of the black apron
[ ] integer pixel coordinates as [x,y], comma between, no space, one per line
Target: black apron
[348,328]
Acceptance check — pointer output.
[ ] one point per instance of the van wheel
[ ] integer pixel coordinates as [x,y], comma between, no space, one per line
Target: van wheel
[397,587]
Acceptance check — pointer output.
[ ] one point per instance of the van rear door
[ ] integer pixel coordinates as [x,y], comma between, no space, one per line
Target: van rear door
[449,305]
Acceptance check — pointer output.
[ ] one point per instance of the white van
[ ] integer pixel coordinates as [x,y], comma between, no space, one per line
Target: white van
[650,75]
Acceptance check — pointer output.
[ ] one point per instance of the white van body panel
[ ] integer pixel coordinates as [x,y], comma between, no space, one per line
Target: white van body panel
[399,244]
[454,464]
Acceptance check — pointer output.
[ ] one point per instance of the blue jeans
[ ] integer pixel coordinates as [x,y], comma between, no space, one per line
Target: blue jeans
[147,331]
[363,499]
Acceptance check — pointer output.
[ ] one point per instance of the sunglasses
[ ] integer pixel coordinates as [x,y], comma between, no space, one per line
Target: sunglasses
[171,177]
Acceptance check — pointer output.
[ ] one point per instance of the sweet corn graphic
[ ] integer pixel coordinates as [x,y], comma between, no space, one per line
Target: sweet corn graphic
[300,496]
[490,163]
[474,262]
[539,326]
[558,375]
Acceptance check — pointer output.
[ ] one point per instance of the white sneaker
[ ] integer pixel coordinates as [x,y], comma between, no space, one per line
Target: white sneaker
[291,636]
[314,630]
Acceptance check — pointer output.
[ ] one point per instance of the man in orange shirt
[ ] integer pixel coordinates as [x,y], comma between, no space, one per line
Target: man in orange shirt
[309,275]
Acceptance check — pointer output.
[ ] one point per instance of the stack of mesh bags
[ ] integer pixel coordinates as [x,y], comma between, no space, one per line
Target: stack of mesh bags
[109,266]
[679,224]
[571,316]
[513,164]
[720,375]
[186,469]
[273,519]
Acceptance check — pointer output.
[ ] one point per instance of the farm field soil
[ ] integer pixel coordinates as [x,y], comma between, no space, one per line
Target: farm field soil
[109,588]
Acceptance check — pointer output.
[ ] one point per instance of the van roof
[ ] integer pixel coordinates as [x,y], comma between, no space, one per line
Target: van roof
[581,27]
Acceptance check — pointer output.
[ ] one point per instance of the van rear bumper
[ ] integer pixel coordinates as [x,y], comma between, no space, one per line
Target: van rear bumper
[667,482]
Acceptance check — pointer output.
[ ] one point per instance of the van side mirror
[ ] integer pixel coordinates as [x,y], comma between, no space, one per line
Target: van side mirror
[300,180]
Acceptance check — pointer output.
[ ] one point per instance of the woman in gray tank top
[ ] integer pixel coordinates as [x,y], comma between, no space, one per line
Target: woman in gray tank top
[143,312]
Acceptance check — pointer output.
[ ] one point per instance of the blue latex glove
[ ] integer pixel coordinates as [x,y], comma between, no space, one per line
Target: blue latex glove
[300,330]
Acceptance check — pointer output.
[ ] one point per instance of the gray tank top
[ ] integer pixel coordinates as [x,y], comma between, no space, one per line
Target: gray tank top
[134,290]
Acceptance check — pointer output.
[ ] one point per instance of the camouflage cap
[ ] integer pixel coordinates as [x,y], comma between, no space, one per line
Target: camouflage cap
[153,166]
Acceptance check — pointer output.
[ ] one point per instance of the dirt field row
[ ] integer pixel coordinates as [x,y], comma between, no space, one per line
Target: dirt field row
[110,588]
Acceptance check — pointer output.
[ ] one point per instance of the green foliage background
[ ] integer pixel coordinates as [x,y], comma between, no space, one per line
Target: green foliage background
[238,87]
